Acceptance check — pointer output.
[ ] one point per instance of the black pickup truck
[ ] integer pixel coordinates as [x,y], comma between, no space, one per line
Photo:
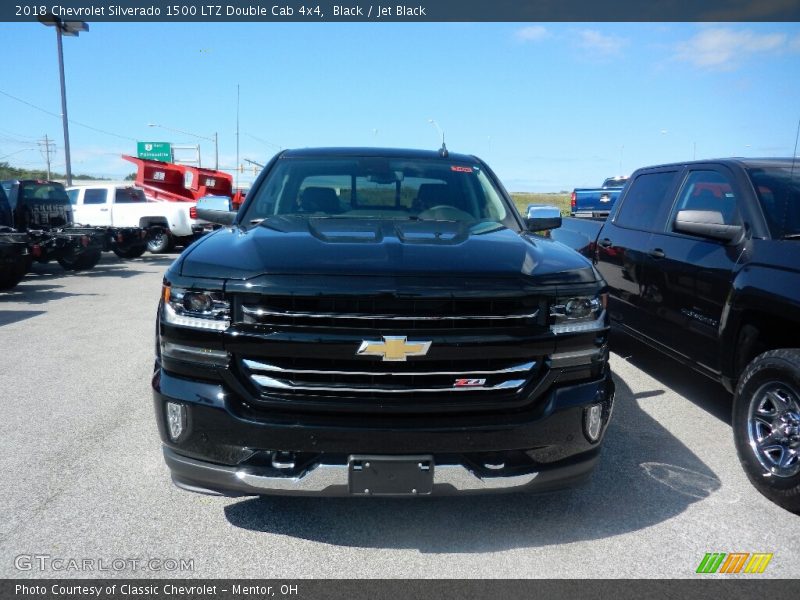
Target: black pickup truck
[380,322]
[13,257]
[702,261]
[42,212]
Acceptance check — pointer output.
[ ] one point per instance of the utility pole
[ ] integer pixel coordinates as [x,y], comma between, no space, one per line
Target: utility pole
[47,147]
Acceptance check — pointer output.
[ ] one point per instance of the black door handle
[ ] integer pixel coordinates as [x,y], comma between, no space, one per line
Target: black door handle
[657,253]
[606,243]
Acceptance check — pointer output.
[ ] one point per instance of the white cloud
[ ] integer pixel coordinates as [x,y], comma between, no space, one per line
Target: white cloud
[724,48]
[532,33]
[600,43]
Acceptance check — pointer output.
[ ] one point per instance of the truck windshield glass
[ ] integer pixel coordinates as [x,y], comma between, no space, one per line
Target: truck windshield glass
[380,188]
[51,193]
[778,192]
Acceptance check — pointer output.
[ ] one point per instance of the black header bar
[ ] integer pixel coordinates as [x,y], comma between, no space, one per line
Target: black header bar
[701,587]
[401,10]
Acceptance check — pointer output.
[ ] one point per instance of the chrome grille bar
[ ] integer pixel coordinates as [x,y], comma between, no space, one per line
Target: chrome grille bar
[253,365]
[261,312]
[278,384]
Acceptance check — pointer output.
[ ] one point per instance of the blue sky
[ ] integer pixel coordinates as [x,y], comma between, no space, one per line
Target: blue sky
[549,106]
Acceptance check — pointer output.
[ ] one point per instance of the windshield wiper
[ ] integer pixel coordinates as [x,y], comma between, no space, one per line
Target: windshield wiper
[791,236]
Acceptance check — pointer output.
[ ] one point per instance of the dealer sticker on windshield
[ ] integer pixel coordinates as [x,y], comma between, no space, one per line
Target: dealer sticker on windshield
[459,169]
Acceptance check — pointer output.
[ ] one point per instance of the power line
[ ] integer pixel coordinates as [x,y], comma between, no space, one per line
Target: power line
[16,137]
[52,114]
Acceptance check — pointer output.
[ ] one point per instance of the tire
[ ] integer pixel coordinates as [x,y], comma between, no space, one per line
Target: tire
[130,252]
[10,278]
[161,242]
[766,425]
[80,262]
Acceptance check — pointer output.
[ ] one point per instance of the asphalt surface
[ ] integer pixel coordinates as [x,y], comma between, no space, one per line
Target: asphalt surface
[82,475]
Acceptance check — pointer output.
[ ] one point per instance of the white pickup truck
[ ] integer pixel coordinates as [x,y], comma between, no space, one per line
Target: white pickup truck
[127,206]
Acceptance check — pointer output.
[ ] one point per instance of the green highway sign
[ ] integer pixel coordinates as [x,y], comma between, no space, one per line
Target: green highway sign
[154,150]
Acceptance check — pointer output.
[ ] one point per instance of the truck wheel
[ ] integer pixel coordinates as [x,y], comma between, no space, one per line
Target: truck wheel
[10,278]
[80,262]
[160,242]
[766,425]
[131,252]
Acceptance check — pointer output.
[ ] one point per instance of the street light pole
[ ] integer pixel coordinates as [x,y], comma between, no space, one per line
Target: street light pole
[72,28]
[64,106]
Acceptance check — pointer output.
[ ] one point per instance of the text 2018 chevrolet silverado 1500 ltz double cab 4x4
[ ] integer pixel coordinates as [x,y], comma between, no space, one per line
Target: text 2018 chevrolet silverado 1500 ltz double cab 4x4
[702,261]
[380,322]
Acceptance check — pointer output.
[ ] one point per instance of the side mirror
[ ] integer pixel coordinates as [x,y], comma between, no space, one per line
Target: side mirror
[706,223]
[541,217]
[216,209]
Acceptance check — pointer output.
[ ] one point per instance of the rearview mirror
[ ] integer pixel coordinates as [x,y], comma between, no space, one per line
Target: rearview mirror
[216,209]
[706,223]
[540,217]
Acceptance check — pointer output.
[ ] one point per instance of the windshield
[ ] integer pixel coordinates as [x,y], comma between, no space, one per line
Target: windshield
[379,188]
[778,191]
[615,182]
[52,193]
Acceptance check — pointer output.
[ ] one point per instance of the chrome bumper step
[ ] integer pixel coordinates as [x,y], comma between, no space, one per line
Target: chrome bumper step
[321,479]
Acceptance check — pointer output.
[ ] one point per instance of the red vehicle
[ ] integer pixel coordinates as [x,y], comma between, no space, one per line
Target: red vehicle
[179,183]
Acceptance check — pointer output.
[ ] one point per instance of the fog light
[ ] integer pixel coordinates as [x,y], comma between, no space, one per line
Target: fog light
[176,419]
[593,421]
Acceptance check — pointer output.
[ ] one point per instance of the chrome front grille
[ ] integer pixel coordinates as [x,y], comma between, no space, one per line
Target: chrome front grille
[462,353]
[270,377]
[392,313]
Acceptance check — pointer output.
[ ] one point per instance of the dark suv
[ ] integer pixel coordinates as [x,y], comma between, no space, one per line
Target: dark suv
[380,322]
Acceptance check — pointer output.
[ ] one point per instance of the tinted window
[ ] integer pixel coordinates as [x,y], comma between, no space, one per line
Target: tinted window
[615,182]
[645,205]
[94,196]
[129,195]
[377,187]
[73,196]
[5,209]
[708,191]
[778,192]
[52,193]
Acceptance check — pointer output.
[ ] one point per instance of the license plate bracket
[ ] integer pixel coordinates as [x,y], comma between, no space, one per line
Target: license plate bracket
[376,475]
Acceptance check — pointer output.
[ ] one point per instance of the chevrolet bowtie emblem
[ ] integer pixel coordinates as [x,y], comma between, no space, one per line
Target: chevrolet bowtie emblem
[393,347]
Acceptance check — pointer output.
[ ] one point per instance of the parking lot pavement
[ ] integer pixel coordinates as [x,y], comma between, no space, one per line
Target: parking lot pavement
[83,477]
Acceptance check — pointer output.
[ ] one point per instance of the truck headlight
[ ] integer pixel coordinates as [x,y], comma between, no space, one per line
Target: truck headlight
[196,308]
[578,313]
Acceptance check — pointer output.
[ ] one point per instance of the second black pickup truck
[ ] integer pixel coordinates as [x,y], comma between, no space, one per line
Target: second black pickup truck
[380,322]
[41,211]
[702,260]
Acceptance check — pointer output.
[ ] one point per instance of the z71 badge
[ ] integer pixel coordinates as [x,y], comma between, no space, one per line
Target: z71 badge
[469,383]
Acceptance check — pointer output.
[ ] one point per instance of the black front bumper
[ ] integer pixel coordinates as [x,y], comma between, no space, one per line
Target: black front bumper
[225,449]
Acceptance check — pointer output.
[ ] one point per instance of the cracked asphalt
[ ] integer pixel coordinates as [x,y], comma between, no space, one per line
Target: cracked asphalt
[83,477]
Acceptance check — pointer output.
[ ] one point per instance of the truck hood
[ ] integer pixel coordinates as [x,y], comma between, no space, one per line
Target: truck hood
[335,246]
